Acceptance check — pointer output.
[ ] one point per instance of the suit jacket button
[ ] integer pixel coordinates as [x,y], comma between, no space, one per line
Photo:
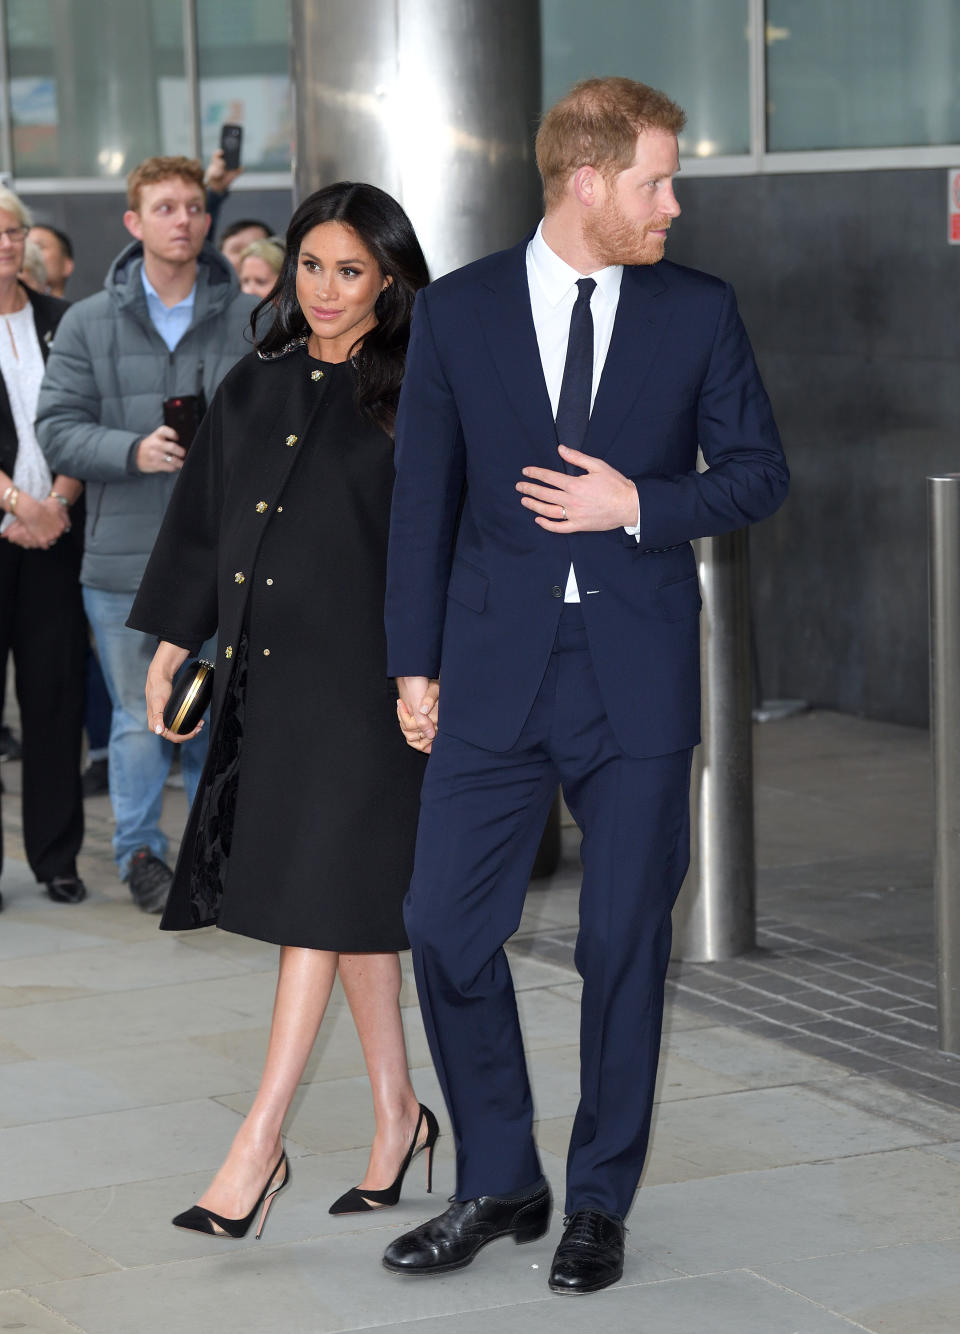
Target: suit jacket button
[556,591]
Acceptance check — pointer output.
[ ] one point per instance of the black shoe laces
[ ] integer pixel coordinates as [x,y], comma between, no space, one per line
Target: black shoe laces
[585,1228]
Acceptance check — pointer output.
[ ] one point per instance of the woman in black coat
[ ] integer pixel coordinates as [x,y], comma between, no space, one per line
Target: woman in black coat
[303,829]
[41,607]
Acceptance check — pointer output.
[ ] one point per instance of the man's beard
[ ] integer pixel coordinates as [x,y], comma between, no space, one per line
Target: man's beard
[614,239]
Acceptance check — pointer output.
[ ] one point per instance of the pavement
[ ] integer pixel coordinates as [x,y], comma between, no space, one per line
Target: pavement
[804,1172]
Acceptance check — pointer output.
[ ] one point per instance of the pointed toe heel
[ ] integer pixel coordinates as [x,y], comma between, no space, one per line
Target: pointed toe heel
[362,1201]
[198,1219]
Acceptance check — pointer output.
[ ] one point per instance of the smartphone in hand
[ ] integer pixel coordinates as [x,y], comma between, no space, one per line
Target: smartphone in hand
[183,414]
[231,139]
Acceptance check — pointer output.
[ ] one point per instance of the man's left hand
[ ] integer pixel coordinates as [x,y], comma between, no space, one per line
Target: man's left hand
[599,499]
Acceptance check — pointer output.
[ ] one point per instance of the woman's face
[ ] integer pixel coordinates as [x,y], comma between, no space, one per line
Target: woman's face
[13,237]
[256,277]
[338,282]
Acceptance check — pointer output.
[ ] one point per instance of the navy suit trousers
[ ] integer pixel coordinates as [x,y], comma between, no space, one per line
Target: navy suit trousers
[482,814]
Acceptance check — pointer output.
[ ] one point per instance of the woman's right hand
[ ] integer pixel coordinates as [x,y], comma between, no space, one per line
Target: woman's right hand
[167,661]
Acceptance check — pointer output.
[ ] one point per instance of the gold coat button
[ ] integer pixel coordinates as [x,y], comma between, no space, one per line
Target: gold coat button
[261,506]
[238,577]
[228,651]
[316,375]
[292,439]
[279,509]
[270,583]
[266,653]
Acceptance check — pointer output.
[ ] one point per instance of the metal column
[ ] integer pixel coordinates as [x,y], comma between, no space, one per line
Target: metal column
[715,915]
[943,496]
[435,101]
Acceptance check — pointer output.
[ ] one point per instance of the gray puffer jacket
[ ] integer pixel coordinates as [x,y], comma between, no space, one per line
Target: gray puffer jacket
[107,376]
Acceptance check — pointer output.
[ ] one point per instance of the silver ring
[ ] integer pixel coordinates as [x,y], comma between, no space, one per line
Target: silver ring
[563,510]
[168,458]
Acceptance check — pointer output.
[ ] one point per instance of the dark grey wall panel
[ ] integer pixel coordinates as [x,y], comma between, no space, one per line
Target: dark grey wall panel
[850,294]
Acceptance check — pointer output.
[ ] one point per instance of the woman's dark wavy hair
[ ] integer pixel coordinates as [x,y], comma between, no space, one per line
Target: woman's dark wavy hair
[388,234]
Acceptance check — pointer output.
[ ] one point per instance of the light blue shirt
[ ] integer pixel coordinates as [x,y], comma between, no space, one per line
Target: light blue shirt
[170,322]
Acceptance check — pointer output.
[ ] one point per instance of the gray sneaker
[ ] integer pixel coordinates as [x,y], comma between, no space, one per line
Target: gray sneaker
[149,880]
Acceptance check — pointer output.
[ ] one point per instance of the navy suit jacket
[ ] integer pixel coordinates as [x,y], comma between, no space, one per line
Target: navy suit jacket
[475,587]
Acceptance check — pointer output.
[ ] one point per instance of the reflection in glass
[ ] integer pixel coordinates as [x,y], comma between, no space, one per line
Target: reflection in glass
[695,50]
[85,82]
[862,74]
[245,79]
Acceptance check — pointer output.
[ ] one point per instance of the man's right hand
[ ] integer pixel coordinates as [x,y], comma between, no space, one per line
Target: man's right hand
[417,710]
[159,451]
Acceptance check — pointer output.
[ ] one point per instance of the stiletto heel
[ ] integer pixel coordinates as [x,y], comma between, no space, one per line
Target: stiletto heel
[198,1219]
[357,1201]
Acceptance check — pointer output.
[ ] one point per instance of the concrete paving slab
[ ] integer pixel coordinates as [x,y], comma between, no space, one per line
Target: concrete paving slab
[755,1219]
[736,1303]
[28,1316]
[751,1061]
[151,1015]
[25,939]
[88,1151]
[894,1289]
[120,967]
[307,1288]
[99,1081]
[35,1250]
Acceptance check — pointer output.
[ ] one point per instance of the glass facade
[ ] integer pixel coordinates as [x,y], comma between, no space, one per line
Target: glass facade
[85,81]
[862,74]
[244,61]
[95,86]
[697,51]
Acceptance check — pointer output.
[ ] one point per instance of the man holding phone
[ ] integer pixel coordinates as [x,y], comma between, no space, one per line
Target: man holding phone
[127,381]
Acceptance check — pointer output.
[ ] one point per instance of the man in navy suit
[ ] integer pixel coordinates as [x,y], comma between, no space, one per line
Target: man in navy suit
[540,568]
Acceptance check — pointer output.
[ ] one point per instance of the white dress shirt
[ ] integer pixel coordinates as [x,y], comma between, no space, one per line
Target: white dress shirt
[553,291]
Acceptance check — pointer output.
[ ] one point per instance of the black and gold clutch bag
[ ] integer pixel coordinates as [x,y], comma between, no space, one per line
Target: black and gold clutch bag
[189,698]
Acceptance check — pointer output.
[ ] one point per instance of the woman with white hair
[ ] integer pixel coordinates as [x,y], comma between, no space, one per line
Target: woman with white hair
[41,611]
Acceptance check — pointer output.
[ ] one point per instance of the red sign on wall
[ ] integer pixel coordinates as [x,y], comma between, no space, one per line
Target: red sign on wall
[953,206]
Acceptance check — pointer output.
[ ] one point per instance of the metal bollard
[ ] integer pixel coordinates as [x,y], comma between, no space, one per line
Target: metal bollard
[715,915]
[943,509]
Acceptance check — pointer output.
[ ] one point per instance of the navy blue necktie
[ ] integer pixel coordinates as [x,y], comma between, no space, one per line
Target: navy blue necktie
[573,406]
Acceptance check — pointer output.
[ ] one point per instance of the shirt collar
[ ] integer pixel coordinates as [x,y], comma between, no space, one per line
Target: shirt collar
[151,291]
[556,277]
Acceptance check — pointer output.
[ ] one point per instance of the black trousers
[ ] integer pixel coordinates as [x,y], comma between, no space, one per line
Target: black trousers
[42,624]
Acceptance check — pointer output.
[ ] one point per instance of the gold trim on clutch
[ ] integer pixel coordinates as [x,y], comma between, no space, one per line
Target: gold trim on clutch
[190,696]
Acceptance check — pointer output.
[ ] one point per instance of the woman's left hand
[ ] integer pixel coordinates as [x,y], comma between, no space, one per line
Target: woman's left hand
[46,520]
[19,534]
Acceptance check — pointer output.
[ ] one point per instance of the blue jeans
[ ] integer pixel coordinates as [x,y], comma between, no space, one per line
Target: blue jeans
[139,760]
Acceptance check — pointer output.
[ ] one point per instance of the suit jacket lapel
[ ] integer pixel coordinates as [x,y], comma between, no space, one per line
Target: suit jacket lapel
[637,331]
[507,322]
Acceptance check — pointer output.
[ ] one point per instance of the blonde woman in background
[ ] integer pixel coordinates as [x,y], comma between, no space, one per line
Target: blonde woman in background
[260,266]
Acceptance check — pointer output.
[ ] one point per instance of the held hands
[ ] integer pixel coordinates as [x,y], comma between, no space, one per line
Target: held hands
[417,710]
[599,499]
[166,662]
[38,523]
[159,451]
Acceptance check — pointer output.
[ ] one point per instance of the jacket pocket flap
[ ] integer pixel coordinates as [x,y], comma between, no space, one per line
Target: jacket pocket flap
[467,586]
[679,599]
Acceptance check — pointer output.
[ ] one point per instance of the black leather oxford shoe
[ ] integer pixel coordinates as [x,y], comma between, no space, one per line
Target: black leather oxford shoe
[451,1240]
[590,1254]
